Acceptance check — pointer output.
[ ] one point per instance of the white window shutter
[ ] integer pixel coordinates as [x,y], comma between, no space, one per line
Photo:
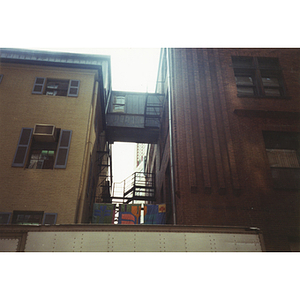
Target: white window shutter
[73,88]
[38,86]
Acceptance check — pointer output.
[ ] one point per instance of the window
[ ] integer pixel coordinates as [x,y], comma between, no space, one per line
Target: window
[283,152]
[45,151]
[4,218]
[56,87]
[27,217]
[49,219]
[258,76]
[1,77]
[119,104]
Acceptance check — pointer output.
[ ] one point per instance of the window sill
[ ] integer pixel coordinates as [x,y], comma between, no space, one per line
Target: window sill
[265,97]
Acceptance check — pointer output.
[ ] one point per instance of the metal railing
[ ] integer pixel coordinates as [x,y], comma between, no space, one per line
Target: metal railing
[138,186]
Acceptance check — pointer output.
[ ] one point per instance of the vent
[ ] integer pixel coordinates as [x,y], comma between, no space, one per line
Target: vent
[44,133]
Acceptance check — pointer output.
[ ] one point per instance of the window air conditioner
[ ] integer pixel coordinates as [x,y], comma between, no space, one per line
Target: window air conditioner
[44,133]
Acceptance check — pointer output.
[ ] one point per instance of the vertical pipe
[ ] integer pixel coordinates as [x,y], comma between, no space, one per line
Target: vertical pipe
[171,134]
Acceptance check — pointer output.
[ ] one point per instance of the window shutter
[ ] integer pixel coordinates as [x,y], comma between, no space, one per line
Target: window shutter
[63,149]
[1,76]
[49,219]
[22,148]
[38,86]
[73,88]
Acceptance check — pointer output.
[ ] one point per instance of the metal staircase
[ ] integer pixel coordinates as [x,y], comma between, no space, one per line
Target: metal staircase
[138,186]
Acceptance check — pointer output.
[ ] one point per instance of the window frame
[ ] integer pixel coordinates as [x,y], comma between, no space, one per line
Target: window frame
[17,213]
[49,214]
[61,152]
[286,174]
[254,68]
[71,91]
[118,104]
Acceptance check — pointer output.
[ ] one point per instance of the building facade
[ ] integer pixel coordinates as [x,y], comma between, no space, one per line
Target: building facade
[51,111]
[228,149]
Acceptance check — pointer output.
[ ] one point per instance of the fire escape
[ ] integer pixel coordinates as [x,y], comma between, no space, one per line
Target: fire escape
[138,186]
[139,123]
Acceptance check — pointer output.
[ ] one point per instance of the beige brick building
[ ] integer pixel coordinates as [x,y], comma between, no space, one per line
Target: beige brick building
[48,173]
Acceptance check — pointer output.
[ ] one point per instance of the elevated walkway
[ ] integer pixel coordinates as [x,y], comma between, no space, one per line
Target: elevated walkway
[134,117]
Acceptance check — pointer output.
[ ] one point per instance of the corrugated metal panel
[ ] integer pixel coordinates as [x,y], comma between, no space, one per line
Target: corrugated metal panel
[8,245]
[124,241]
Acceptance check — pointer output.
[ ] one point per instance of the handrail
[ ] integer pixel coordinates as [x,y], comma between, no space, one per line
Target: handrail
[137,185]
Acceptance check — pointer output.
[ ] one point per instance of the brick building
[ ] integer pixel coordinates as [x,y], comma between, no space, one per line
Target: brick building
[233,135]
[51,112]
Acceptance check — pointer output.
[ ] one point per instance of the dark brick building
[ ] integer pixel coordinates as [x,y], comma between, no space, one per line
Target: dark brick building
[234,140]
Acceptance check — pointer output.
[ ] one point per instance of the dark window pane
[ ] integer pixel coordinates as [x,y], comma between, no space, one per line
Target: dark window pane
[49,219]
[268,62]
[27,217]
[75,83]
[245,91]
[39,81]
[73,91]
[4,217]
[272,92]
[37,88]
[270,81]
[242,61]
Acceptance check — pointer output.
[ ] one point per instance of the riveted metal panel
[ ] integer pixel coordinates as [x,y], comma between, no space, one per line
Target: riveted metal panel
[41,241]
[9,245]
[121,241]
[138,241]
[198,242]
[94,241]
[149,242]
[173,241]
[66,241]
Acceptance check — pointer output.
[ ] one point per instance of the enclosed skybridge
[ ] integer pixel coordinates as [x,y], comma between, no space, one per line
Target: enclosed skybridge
[134,117]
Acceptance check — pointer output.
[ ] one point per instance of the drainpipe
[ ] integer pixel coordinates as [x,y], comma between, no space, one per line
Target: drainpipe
[171,134]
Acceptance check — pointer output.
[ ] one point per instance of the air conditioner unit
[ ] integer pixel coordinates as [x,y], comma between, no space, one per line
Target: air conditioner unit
[44,133]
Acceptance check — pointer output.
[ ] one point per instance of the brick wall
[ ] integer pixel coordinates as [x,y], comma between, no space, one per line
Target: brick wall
[222,174]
